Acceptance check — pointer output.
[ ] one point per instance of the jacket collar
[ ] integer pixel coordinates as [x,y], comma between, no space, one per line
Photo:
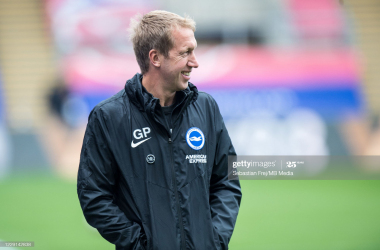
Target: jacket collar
[146,101]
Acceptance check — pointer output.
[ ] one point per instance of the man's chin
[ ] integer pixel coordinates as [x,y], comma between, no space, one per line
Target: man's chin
[183,86]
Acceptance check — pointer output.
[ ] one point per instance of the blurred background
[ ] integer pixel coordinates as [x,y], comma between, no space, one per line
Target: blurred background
[291,77]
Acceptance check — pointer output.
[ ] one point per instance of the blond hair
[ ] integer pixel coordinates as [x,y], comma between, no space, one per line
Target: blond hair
[154,31]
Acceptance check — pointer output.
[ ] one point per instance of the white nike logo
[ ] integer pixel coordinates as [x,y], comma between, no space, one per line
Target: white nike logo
[133,145]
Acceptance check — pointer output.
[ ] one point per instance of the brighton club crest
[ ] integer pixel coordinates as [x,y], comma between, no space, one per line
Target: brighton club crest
[195,138]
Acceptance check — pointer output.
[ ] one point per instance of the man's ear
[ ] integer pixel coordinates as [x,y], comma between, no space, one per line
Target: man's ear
[154,58]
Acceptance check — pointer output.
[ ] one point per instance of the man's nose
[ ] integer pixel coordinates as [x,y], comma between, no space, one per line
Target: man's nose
[193,61]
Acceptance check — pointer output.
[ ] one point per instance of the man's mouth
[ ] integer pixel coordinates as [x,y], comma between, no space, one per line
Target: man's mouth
[186,73]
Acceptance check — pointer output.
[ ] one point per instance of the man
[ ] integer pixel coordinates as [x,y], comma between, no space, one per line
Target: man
[153,169]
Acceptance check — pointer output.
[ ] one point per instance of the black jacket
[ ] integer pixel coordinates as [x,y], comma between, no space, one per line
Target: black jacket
[146,186]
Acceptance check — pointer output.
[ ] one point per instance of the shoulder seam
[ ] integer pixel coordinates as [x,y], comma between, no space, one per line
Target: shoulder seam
[108,101]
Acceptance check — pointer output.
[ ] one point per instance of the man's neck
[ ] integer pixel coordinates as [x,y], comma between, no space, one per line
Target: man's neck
[155,87]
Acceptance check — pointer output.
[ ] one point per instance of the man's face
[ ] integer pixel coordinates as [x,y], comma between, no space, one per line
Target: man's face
[176,69]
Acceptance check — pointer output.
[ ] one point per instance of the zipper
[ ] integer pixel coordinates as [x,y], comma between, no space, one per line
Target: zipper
[183,244]
[169,133]
[188,99]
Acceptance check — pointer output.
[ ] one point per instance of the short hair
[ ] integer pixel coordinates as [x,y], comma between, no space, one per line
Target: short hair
[154,31]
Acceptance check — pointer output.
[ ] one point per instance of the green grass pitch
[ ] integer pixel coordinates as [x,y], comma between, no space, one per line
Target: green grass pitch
[274,215]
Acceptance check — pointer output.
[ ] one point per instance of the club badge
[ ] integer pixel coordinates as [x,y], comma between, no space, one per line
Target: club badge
[195,138]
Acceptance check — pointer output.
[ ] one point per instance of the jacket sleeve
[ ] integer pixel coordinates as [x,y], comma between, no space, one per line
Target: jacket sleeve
[95,186]
[225,195]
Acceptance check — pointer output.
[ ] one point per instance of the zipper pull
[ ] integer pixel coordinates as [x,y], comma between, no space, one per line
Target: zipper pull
[171,131]
[170,139]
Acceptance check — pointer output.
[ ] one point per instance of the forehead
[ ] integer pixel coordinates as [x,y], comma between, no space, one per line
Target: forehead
[184,37]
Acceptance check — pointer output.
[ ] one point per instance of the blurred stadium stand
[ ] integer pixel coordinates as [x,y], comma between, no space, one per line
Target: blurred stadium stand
[5,145]
[366,21]
[26,58]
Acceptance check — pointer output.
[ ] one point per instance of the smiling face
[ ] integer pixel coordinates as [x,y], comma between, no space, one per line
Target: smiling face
[176,68]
